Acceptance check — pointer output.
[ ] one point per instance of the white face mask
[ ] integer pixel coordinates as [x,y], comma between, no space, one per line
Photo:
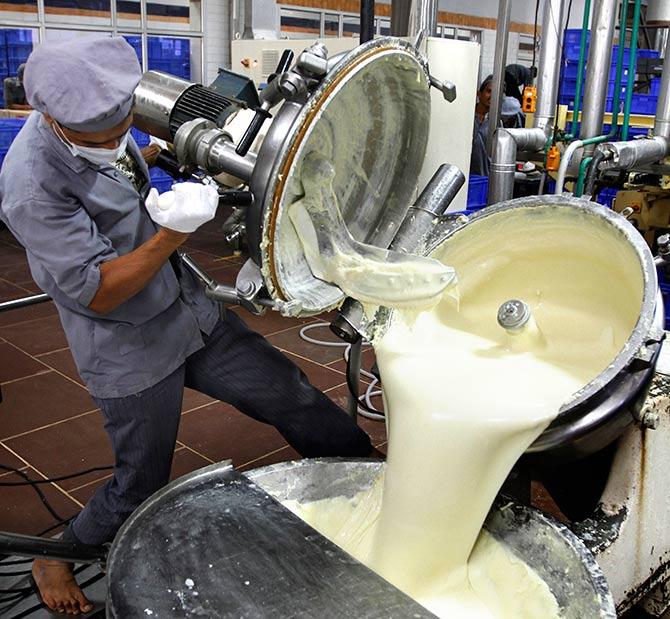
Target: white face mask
[99,156]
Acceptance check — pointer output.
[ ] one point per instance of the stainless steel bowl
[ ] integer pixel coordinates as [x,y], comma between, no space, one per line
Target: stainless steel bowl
[549,548]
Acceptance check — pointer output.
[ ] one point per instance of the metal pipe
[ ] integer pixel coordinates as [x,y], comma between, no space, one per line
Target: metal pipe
[637,12]
[400,17]
[662,124]
[499,60]
[503,160]
[422,18]
[626,155]
[24,301]
[506,142]
[598,68]
[549,64]
[580,69]
[434,200]
[354,375]
[367,32]
[38,547]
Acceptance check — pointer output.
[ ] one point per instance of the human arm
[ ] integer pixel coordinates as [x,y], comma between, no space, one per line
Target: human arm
[179,212]
[121,278]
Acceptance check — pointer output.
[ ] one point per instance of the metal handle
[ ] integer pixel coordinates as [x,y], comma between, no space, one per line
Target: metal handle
[441,189]
[235,197]
[252,131]
[284,63]
[169,163]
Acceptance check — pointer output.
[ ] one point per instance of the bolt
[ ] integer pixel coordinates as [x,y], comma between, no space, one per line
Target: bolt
[246,287]
[649,418]
[513,314]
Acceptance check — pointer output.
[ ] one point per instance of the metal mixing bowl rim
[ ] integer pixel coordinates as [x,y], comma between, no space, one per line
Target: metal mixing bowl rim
[645,322]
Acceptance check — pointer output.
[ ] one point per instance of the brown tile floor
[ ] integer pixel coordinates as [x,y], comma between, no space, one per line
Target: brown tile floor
[49,426]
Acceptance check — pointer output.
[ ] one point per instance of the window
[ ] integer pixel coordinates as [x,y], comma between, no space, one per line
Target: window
[146,24]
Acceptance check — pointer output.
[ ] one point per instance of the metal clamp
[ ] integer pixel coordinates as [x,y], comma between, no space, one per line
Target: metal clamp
[246,293]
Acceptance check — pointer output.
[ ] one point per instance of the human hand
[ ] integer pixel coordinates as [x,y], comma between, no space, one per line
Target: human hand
[185,208]
[150,153]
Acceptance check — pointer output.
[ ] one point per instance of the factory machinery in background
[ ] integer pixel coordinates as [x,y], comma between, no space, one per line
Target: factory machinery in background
[603,458]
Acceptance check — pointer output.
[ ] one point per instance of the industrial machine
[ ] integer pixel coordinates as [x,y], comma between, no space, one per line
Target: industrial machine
[604,456]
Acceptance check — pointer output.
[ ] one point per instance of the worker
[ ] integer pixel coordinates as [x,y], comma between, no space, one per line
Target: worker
[479,160]
[511,116]
[14,92]
[140,328]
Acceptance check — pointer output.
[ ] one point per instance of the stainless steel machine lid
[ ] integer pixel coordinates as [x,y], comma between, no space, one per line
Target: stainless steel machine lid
[370,115]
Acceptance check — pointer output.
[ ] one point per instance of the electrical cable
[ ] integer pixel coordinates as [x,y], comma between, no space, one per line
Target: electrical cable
[54,479]
[592,174]
[43,498]
[365,407]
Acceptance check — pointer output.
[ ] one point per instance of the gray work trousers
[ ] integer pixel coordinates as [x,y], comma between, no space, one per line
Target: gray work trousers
[237,366]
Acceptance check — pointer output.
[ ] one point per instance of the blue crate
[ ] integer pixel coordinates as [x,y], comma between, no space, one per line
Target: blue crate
[162,185]
[141,139]
[644,104]
[478,189]
[8,131]
[18,36]
[606,196]
[655,87]
[574,36]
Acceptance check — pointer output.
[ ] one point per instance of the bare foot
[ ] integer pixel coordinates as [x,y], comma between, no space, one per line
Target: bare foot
[58,588]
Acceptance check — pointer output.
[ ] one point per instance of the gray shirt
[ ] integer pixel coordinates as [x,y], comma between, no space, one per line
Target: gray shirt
[72,215]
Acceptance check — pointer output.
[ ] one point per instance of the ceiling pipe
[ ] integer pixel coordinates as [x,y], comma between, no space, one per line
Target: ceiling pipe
[499,61]
[662,124]
[598,69]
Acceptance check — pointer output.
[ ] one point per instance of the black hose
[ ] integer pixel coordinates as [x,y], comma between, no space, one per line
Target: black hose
[592,174]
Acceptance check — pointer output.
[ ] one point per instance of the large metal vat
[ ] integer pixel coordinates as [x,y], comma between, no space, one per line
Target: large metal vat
[211,542]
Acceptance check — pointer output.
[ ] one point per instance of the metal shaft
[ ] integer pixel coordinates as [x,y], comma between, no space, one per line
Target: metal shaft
[29,546]
[24,301]
[367,22]
[662,124]
[549,64]
[598,68]
[422,18]
[499,61]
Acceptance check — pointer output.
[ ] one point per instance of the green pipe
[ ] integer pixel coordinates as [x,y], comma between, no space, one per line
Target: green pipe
[617,81]
[580,67]
[632,70]
[623,24]
[583,166]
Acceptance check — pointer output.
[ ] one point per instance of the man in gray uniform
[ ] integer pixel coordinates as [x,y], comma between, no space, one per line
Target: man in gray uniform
[72,190]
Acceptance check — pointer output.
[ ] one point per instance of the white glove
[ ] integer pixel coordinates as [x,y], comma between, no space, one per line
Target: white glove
[185,208]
